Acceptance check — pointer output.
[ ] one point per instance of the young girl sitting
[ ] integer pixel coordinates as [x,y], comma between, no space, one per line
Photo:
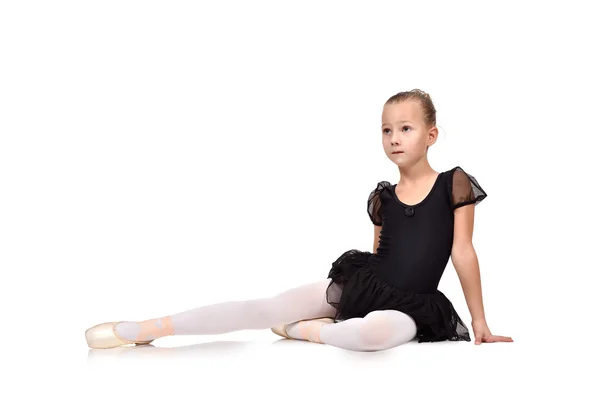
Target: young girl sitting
[370,300]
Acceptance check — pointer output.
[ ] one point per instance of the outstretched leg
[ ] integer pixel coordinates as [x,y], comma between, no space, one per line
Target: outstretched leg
[303,302]
[378,330]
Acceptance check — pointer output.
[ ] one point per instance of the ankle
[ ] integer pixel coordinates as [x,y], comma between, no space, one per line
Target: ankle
[309,330]
[155,328]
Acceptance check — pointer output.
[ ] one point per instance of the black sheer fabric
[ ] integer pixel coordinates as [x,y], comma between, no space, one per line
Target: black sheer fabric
[465,189]
[374,203]
[414,249]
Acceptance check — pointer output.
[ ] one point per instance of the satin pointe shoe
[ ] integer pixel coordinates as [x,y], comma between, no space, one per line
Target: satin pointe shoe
[307,331]
[105,336]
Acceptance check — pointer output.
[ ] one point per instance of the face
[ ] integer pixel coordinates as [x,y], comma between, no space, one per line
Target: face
[403,129]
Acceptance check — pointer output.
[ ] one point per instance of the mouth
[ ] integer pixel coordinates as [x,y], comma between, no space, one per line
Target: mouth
[398,152]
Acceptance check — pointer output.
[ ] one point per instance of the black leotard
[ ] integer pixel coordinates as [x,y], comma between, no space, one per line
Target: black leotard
[414,249]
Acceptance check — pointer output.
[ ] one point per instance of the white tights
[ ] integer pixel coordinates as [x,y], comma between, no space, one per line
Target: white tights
[378,330]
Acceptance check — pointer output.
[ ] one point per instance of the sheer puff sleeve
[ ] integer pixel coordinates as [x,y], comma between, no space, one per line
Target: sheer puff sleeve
[465,189]
[374,203]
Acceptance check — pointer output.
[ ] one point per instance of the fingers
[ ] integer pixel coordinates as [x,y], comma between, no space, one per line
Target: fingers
[503,339]
[492,339]
[498,339]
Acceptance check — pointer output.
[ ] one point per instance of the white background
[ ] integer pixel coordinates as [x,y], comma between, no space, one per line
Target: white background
[159,156]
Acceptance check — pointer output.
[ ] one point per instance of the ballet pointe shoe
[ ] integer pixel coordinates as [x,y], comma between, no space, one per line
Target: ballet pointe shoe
[280,330]
[105,336]
[308,333]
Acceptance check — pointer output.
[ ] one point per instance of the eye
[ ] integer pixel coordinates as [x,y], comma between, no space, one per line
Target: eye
[386,130]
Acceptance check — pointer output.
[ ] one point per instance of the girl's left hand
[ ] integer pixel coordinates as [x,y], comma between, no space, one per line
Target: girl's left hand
[483,334]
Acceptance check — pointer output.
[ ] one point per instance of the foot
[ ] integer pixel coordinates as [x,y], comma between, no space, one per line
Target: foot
[116,334]
[307,330]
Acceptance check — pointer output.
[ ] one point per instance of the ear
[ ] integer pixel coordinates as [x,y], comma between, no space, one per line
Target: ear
[432,136]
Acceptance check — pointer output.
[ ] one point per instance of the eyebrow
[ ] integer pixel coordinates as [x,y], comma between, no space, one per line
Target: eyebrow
[400,121]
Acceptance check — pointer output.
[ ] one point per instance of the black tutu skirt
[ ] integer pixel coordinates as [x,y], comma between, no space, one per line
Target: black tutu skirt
[355,291]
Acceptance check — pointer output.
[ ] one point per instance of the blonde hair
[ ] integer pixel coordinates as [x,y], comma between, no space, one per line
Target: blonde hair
[429,112]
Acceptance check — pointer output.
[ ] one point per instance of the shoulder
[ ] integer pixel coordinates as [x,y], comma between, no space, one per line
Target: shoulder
[458,174]
[463,187]
[376,202]
[456,171]
[381,185]
[451,175]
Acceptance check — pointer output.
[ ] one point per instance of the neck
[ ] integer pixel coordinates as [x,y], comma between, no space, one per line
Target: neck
[416,173]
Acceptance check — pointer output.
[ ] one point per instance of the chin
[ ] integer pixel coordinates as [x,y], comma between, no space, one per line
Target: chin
[401,162]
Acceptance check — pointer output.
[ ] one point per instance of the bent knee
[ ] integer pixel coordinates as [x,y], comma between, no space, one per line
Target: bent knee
[386,329]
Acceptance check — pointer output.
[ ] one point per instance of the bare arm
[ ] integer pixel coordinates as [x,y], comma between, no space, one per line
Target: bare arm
[466,264]
[376,234]
[466,192]
[464,259]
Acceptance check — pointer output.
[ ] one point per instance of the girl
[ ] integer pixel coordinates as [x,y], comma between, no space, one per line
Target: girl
[370,300]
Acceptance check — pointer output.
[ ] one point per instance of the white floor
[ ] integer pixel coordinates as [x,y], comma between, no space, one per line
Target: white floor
[261,373]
